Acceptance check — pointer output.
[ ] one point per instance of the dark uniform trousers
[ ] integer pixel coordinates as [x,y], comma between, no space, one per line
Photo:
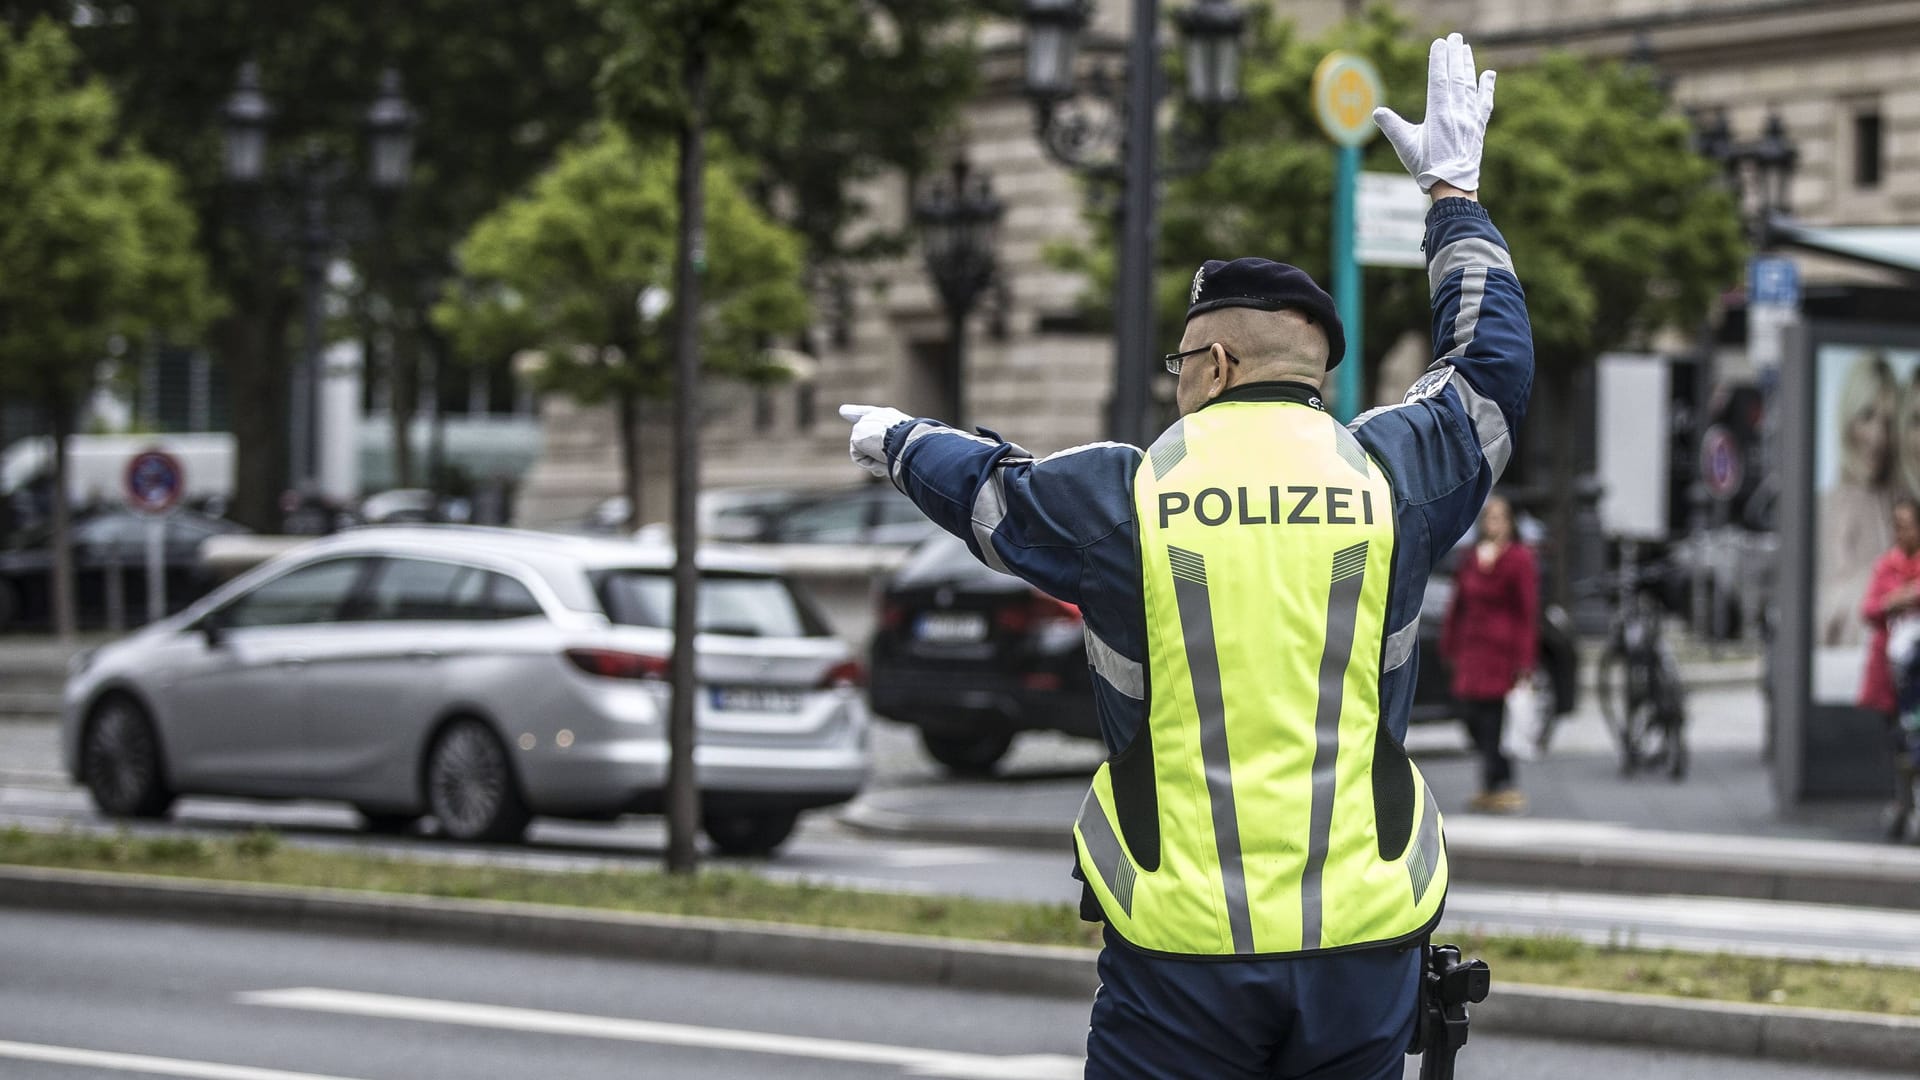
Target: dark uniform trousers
[1342,1016]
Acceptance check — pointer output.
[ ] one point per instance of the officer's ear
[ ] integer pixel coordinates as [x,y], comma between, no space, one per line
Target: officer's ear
[1218,377]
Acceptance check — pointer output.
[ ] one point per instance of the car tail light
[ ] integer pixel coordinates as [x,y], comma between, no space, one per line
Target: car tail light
[847,674]
[1037,611]
[614,664]
[893,615]
[1041,680]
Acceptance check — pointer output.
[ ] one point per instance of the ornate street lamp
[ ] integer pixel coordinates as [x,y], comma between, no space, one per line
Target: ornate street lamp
[1053,45]
[312,179]
[959,220]
[1775,157]
[390,124]
[1109,133]
[245,117]
[1212,29]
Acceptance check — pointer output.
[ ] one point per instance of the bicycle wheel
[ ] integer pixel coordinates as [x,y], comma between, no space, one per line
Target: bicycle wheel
[1611,689]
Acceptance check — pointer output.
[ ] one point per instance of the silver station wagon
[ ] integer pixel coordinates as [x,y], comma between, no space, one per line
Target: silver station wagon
[482,676]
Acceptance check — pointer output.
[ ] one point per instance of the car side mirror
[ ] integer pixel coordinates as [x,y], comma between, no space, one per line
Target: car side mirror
[214,629]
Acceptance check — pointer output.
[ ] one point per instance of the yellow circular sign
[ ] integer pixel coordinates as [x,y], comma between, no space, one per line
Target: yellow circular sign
[1346,90]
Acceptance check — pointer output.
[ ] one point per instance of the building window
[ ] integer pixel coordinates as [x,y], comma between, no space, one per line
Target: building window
[1867,148]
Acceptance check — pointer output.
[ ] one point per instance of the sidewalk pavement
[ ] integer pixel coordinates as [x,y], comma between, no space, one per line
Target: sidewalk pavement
[1717,832]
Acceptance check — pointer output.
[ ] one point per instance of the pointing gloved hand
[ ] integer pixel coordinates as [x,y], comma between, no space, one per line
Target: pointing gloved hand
[868,445]
[1445,147]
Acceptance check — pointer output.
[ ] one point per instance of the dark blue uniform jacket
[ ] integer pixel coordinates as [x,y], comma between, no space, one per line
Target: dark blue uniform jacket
[1065,523]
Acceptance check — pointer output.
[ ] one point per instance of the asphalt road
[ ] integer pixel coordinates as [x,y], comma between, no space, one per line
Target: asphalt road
[106,998]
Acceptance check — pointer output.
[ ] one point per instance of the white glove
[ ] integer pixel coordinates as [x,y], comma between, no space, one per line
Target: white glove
[1446,145]
[868,445]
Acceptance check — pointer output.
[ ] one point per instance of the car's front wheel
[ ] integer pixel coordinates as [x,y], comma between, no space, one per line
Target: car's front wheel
[967,755]
[120,758]
[470,786]
[749,834]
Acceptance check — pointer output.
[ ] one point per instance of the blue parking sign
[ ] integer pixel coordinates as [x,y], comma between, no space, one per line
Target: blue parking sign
[1773,281]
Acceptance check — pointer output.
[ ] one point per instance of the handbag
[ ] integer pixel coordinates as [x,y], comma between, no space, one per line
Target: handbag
[1521,737]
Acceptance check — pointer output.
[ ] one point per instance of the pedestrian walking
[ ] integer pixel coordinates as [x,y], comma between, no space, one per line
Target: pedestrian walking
[1892,609]
[1266,859]
[1490,640]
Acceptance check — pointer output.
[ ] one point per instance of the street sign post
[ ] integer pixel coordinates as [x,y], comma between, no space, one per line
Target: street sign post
[1773,304]
[155,481]
[1346,90]
[1391,222]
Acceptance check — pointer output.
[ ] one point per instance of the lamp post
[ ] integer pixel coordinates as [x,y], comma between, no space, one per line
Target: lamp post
[314,179]
[959,219]
[1109,134]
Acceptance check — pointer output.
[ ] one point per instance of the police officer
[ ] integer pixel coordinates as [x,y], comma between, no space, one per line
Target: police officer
[1266,859]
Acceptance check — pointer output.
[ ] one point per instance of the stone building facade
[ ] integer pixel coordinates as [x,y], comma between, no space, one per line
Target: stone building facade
[1843,74]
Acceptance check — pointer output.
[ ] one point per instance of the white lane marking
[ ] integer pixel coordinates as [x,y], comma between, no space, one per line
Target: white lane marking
[152,1066]
[908,858]
[949,1065]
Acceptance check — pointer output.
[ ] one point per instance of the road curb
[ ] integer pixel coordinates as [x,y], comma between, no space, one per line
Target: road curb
[1770,1032]
[1572,866]
[804,950]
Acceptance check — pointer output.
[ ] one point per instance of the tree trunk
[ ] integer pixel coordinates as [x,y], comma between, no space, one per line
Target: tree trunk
[60,422]
[630,477]
[1559,418]
[683,797]
[253,348]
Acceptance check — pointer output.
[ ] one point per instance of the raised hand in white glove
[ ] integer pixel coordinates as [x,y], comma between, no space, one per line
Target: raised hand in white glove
[1445,147]
[868,445]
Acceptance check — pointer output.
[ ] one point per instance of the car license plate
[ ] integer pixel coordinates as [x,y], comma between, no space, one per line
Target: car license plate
[952,627]
[755,699]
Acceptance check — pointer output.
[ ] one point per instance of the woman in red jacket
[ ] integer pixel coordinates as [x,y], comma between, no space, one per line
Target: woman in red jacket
[1489,639]
[1893,592]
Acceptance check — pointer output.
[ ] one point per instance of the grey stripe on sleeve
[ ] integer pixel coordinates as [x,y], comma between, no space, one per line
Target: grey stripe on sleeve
[1466,254]
[989,510]
[1127,676]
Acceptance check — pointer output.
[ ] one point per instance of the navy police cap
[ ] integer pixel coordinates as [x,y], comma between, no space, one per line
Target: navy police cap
[1268,286]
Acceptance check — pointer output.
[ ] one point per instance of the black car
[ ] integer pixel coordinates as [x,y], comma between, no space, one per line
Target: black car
[104,542]
[972,657]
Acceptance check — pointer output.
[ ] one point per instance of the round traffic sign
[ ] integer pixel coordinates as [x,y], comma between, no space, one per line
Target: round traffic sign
[1346,90]
[1721,468]
[155,481]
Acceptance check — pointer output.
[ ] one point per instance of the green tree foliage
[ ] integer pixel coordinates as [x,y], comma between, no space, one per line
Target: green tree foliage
[497,86]
[1617,226]
[815,95]
[95,240]
[563,268]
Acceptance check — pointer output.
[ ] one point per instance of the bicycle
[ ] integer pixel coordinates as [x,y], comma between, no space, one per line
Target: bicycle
[1638,680]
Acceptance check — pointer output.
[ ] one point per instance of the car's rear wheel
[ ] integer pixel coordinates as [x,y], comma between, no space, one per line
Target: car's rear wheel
[749,833]
[470,786]
[121,761]
[967,755]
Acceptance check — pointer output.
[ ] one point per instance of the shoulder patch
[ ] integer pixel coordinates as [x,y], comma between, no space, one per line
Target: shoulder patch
[1431,383]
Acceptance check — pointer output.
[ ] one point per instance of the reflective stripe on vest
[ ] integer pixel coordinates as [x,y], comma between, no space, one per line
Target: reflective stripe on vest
[1266,548]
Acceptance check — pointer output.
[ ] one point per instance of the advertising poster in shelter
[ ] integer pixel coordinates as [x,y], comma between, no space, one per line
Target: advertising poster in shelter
[1866,456]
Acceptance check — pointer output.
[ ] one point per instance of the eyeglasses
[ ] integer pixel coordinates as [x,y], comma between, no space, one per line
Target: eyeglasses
[1177,360]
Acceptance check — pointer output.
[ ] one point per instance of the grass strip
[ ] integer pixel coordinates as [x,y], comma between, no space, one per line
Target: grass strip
[1547,961]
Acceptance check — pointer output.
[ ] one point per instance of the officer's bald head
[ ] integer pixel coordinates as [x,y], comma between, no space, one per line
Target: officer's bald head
[1269,344]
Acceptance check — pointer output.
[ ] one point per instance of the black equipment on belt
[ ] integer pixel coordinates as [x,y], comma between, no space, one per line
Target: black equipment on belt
[1447,986]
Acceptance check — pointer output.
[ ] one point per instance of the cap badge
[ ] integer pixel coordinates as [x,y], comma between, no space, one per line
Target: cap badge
[1199,280]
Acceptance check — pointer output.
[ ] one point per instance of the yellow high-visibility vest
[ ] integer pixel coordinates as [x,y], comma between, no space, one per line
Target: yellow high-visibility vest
[1263,810]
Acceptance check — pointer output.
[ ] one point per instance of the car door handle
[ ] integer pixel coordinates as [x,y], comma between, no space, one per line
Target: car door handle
[291,662]
[425,656]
